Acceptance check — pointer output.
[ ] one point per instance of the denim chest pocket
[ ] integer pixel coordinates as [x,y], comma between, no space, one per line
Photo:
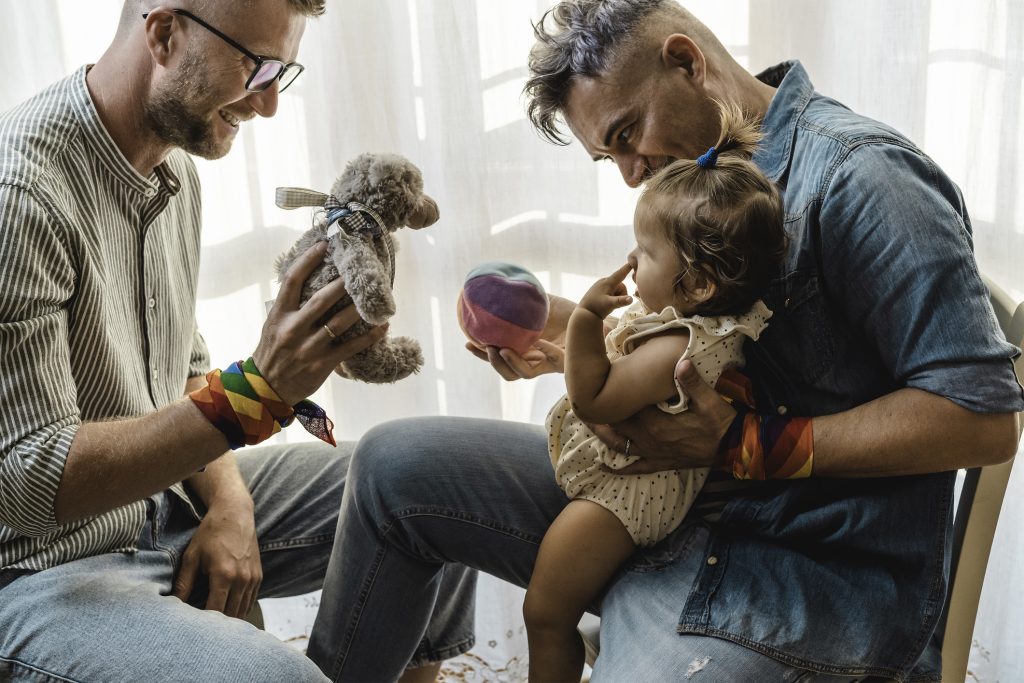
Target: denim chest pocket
[798,339]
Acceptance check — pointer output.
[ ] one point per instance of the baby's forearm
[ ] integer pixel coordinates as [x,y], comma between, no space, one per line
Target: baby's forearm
[586,361]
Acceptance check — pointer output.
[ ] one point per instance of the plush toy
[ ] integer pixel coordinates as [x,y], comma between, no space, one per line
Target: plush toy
[376,195]
[503,305]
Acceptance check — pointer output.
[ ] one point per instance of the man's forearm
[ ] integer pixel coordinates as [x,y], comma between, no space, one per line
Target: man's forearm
[910,432]
[221,482]
[221,479]
[111,464]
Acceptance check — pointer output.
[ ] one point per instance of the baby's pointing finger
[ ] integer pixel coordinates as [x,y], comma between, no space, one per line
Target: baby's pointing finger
[620,274]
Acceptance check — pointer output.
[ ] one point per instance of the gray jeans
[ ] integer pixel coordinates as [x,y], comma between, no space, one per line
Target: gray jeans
[112,617]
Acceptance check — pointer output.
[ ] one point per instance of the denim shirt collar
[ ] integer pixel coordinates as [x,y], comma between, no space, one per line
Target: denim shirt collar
[794,91]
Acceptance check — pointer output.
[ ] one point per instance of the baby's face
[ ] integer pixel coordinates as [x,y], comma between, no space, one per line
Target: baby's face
[656,269]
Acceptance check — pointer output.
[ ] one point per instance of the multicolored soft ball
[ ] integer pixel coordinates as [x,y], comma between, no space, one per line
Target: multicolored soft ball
[503,305]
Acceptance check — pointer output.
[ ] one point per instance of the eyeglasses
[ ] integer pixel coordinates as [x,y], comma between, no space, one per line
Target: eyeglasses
[266,70]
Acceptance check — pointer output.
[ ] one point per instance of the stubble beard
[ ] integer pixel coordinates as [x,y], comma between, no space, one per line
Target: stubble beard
[173,113]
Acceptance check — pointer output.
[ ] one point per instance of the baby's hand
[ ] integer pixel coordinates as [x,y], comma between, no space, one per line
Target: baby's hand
[607,294]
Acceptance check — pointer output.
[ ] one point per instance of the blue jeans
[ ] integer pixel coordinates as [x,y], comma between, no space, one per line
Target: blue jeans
[111,618]
[428,495]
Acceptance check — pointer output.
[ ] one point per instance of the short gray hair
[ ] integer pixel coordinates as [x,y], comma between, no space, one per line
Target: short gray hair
[583,38]
[132,10]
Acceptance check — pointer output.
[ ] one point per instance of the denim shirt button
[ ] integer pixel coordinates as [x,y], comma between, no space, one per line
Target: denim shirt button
[782,410]
[712,560]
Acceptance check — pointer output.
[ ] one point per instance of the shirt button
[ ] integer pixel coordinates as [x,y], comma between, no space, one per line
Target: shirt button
[712,560]
[150,192]
[152,302]
[782,410]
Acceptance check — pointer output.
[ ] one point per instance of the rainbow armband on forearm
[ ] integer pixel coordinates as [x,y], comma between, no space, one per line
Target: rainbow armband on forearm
[240,403]
[767,446]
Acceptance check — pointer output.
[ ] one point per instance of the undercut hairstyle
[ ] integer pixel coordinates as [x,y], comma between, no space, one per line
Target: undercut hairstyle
[577,38]
[725,218]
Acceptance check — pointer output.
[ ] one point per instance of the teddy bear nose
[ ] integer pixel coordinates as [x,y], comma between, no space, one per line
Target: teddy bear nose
[426,213]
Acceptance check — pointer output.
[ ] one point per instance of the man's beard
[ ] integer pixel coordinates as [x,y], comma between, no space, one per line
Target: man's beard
[172,113]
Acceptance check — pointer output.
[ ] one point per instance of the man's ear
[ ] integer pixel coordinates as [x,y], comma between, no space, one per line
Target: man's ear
[162,36]
[680,52]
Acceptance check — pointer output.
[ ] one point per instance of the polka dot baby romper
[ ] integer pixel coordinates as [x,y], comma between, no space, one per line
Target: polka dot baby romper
[650,506]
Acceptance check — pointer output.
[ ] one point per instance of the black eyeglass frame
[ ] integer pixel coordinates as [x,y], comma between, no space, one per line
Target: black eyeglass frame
[259,60]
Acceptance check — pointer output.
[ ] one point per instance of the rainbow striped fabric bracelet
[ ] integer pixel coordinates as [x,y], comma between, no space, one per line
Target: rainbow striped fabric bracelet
[240,403]
[767,446]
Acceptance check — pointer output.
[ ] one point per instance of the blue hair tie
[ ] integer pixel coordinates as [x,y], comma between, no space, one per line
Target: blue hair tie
[708,158]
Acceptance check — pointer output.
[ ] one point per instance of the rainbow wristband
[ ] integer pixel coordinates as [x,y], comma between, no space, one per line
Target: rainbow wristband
[240,403]
[767,446]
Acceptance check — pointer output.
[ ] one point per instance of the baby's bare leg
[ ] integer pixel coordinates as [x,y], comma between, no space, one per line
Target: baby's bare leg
[580,552]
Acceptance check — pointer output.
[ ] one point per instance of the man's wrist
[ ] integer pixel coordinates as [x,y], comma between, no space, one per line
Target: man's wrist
[220,484]
[225,493]
[730,440]
[236,498]
[767,447]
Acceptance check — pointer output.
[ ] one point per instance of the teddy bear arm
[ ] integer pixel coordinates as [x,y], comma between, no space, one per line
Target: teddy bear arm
[366,281]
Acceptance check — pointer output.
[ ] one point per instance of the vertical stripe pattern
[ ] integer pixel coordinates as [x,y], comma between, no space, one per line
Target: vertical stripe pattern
[98,273]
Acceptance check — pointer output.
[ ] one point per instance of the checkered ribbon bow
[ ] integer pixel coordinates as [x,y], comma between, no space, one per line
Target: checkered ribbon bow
[353,218]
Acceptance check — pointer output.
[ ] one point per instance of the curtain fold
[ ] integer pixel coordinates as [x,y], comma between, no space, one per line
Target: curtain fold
[440,82]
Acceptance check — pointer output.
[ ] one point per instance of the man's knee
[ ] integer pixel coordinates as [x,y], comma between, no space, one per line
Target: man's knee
[267,659]
[396,461]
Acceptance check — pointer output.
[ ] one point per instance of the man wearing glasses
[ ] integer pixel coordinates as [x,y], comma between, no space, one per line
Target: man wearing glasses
[116,493]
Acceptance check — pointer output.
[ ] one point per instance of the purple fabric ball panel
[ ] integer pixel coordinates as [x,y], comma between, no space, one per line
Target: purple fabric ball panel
[515,301]
[503,305]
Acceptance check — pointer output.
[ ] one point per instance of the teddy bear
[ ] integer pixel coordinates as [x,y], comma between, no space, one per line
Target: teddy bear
[375,195]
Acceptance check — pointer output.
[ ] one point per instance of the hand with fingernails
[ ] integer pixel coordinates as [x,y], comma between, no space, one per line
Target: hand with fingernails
[607,294]
[297,349]
[547,354]
[670,442]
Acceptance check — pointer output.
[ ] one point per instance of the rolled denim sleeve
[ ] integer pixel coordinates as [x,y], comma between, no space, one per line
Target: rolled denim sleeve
[38,401]
[896,235]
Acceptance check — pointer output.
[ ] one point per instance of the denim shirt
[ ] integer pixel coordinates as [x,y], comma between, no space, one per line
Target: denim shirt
[880,291]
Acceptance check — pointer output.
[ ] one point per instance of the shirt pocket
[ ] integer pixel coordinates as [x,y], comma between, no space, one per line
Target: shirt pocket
[798,338]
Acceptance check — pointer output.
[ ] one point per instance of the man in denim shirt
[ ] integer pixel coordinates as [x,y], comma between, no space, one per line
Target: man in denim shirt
[882,333]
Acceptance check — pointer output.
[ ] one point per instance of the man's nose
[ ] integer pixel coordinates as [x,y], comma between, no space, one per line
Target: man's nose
[632,169]
[264,103]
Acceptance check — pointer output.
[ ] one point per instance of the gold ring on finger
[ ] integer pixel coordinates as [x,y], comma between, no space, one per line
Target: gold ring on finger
[329,333]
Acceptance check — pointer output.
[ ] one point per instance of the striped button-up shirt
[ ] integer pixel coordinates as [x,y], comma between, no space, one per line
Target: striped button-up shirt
[98,272]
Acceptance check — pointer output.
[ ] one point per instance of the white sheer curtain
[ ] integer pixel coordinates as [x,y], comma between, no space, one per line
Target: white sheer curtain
[439,82]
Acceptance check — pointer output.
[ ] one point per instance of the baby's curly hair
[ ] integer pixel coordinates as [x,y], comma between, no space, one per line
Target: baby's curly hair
[725,220]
